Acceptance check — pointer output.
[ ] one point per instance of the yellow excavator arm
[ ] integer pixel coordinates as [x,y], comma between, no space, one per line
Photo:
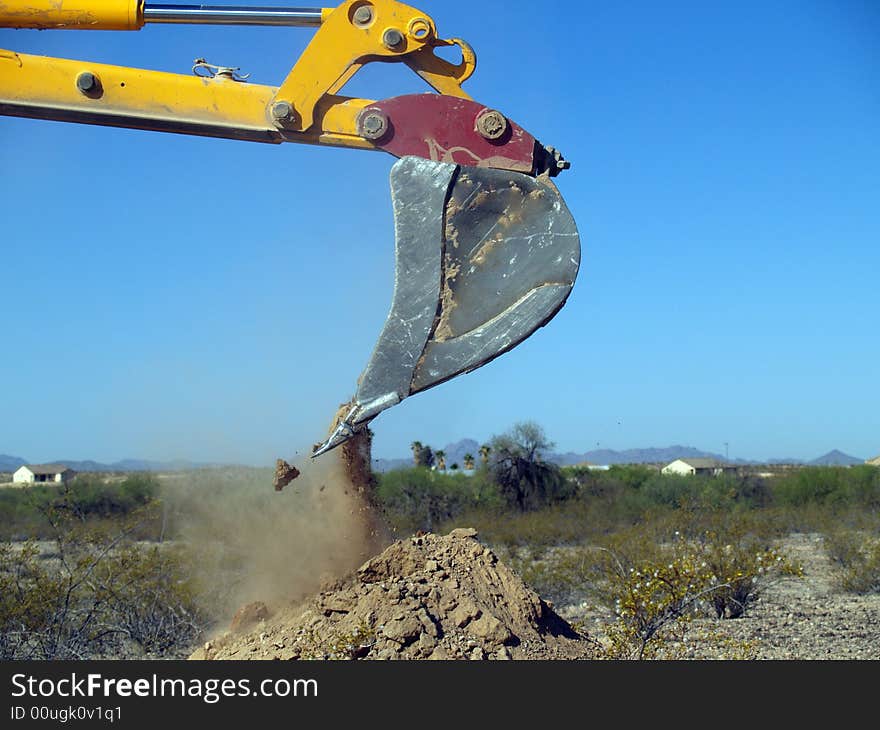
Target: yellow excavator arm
[216,103]
[486,250]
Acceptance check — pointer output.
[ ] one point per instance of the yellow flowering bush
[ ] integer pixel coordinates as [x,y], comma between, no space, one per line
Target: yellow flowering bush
[655,596]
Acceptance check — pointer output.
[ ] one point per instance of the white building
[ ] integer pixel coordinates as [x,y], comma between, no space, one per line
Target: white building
[43,473]
[874,462]
[691,466]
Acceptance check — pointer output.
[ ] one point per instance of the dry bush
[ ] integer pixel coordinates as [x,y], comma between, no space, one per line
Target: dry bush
[857,558]
[94,595]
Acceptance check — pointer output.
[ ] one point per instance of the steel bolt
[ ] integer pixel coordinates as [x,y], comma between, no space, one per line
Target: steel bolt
[86,82]
[374,125]
[491,124]
[363,15]
[282,111]
[392,38]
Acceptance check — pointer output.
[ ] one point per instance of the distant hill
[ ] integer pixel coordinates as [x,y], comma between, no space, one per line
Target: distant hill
[633,456]
[10,463]
[133,465]
[455,451]
[455,455]
[836,458]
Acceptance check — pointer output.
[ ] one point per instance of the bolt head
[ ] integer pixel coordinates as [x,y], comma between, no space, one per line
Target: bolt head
[374,125]
[282,111]
[363,15]
[491,124]
[86,82]
[392,38]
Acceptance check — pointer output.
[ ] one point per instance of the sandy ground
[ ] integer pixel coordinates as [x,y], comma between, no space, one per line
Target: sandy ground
[796,618]
[808,618]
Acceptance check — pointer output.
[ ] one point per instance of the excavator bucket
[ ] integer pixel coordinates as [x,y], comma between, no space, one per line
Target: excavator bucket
[484,257]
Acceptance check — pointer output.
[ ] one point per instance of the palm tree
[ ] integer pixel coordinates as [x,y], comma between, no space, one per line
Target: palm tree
[441,460]
[469,462]
[416,447]
[485,449]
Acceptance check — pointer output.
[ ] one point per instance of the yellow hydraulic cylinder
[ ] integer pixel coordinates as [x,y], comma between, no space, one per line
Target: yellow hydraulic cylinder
[72,14]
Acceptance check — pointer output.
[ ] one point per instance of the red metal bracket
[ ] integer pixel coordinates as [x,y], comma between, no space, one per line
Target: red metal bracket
[444,129]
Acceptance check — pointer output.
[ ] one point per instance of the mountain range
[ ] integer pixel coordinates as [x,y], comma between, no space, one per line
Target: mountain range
[455,453]
[11,463]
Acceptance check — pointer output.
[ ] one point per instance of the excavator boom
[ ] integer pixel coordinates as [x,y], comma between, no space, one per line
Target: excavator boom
[486,249]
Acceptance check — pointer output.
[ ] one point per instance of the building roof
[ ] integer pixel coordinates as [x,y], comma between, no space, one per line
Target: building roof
[702,463]
[36,469]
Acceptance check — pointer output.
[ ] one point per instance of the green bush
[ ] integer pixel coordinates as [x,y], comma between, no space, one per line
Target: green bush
[23,510]
[422,499]
[92,496]
[725,491]
[830,486]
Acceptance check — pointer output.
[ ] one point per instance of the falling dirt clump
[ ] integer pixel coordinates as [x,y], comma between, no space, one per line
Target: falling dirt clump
[424,597]
[284,474]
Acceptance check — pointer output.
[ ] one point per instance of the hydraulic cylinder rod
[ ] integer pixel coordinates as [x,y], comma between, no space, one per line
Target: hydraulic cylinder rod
[232,15]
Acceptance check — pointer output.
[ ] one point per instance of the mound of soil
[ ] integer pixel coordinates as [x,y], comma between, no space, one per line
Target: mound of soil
[425,597]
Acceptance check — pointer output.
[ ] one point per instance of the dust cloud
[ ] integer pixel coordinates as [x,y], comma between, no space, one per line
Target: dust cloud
[252,543]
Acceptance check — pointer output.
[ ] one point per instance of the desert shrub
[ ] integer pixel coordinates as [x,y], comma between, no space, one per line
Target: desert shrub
[93,596]
[30,596]
[744,566]
[87,498]
[92,496]
[861,486]
[601,483]
[560,575]
[673,490]
[149,597]
[832,486]
[421,499]
[856,556]
[656,586]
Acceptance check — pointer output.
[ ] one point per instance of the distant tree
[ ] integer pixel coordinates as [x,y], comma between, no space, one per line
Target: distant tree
[454,467]
[485,450]
[424,456]
[469,462]
[416,447]
[524,478]
[441,459]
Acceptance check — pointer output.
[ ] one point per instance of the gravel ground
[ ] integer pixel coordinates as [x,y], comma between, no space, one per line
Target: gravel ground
[808,618]
[795,618]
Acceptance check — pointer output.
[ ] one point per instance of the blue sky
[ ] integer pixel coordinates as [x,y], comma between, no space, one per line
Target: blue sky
[167,296]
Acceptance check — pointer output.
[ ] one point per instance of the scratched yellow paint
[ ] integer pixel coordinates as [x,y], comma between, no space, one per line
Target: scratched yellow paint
[72,14]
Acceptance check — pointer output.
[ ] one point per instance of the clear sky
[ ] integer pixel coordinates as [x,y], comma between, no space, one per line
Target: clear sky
[168,296]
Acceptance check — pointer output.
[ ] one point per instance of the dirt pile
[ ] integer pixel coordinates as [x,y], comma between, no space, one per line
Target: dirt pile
[424,597]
